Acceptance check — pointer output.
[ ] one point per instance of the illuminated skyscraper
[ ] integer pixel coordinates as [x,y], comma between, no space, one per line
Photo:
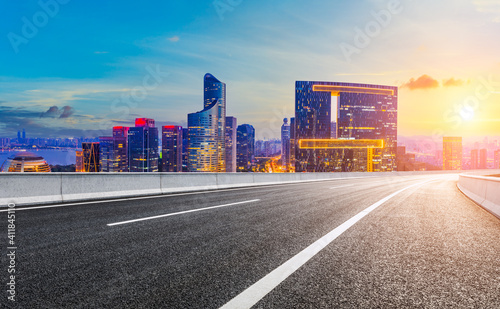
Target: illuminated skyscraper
[120,140]
[207,130]
[91,160]
[143,146]
[496,159]
[452,153]
[285,145]
[79,161]
[171,146]
[364,112]
[231,127]
[245,147]
[185,151]
[106,155]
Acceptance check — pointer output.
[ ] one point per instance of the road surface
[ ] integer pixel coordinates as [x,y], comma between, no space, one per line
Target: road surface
[383,242]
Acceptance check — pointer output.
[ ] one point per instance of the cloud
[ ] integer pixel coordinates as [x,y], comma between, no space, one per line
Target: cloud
[453,82]
[174,39]
[55,112]
[423,82]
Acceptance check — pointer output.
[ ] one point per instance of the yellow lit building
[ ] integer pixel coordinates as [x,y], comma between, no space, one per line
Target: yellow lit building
[452,153]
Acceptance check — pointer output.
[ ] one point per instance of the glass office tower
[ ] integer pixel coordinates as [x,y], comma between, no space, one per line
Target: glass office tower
[231,127]
[120,140]
[171,146]
[107,154]
[367,112]
[285,145]
[143,146]
[207,130]
[245,147]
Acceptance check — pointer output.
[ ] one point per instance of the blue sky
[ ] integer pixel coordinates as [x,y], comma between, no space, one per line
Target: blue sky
[90,60]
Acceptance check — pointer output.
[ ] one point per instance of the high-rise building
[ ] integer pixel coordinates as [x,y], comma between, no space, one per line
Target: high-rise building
[231,127]
[91,160]
[333,133]
[474,159]
[483,159]
[120,140]
[364,112]
[215,90]
[185,152]
[143,146]
[496,159]
[293,143]
[24,136]
[206,130]
[19,136]
[171,146]
[245,147]
[452,153]
[106,154]
[79,161]
[285,145]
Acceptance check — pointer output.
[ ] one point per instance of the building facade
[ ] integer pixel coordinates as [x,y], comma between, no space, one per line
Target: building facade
[285,145]
[231,128]
[245,147]
[207,130]
[106,154]
[496,159]
[171,149]
[364,112]
[91,157]
[143,146]
[452,153]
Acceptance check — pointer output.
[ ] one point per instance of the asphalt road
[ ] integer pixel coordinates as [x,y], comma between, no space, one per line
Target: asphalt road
[347,245]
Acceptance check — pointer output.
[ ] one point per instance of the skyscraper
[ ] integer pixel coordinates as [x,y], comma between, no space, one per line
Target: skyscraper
[496,159]
[231,127]
[365,112]
[285,145]
[245,147]
[215,90]
[474,159]
[185,151]
[452,153]
[106,154]
[171,149]
[91,160]
[293,143]
[120,140]
[79,161]
[143,146]
[207,130]
[483,159]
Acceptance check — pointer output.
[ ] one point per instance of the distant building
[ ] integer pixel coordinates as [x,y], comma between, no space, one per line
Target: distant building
[143,146]
[25,162]
[452,153]
[496,159]
[91,159]
[333,133]
[185,150]
[365,112]
[293,144]
[483,159]
[245,147]
[106,154]
[79,161]
[231,127]
[171,146]
[120,140]
[285,145]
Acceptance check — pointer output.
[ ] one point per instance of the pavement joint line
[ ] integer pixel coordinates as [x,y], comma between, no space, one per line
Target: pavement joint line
[253,294]
[181,212]
[182,194]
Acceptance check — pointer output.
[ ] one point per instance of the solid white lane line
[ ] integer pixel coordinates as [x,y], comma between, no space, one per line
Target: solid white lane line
[181,213]
[261,288]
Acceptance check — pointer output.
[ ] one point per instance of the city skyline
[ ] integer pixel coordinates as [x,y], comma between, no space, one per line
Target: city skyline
[443,90]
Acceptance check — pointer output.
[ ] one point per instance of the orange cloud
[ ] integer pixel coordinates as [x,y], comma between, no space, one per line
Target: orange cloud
[453,82]
[423,82]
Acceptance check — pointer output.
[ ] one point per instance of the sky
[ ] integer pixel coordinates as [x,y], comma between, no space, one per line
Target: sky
[74,68]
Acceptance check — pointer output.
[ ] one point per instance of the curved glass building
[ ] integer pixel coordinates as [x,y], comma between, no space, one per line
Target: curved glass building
[25,162]
[207,130]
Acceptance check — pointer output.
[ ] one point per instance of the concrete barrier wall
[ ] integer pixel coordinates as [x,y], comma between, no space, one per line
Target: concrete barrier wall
[483,190]
[32,188]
